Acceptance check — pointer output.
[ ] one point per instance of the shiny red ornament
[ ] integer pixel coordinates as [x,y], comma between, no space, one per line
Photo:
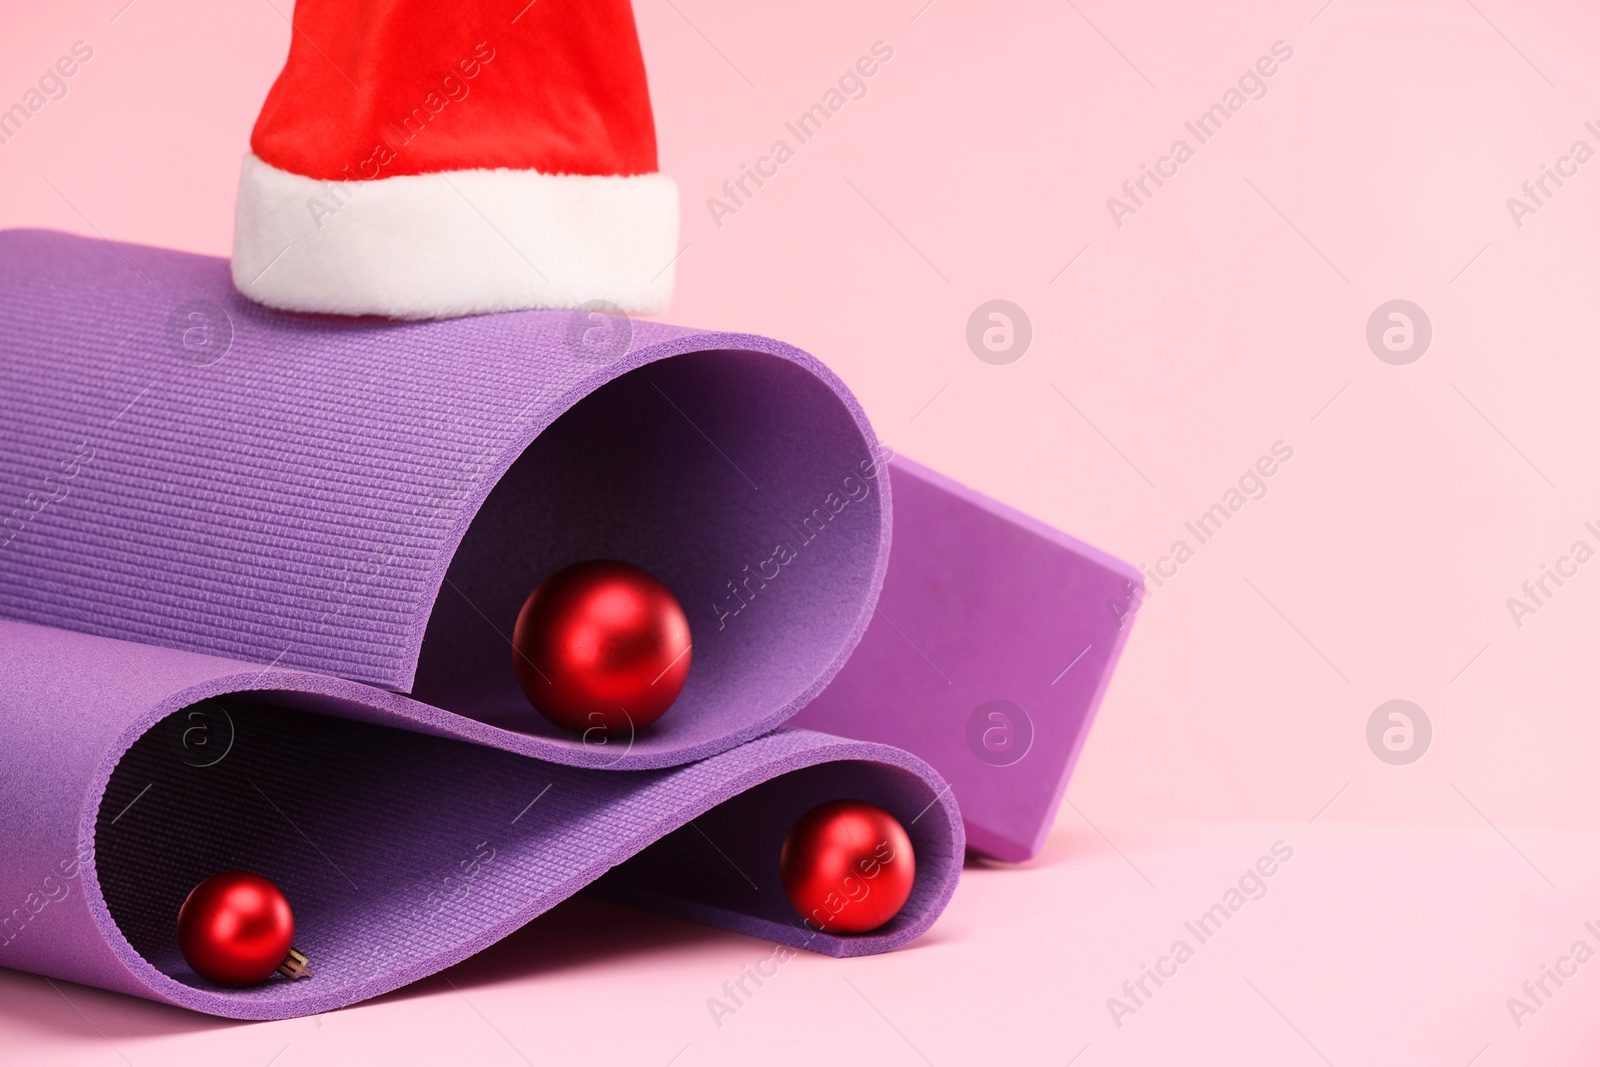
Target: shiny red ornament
[847,867]
[236,928]
[601,648]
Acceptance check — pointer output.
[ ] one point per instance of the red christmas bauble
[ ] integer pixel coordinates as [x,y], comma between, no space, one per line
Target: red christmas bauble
[847,867]
[601,646]
[236,928]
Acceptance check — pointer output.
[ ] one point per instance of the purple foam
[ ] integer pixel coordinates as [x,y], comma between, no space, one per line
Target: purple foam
[373,500]
[110,810]
[985,612]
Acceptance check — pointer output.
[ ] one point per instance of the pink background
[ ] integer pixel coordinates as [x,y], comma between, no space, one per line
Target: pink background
[1227,314]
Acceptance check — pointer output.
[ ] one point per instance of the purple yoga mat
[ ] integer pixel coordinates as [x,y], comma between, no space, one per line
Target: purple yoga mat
[229,519]
[318,503]
[129,772]
[373,499]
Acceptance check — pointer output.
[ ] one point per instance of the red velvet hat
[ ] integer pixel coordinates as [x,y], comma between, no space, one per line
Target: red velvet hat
[419,159]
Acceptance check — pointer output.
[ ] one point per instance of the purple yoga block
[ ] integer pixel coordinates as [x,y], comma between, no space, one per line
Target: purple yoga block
[374,500]
[991,647]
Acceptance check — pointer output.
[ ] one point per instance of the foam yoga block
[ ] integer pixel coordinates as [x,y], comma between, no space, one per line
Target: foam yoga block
[373,499]
[993,643]
[130,772]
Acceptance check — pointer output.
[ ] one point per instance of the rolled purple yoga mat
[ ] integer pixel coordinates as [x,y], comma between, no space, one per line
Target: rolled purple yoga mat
[129,772]
[231,536]
[318,503]
[374,499]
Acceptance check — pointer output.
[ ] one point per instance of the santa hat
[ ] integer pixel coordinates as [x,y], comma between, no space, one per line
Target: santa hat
[419,159]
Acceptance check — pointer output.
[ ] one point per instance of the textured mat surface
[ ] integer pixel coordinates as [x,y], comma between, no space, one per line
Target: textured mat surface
[128,772]
[373,500]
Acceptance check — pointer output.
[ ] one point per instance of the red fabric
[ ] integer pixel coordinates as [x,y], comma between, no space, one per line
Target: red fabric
[562,90]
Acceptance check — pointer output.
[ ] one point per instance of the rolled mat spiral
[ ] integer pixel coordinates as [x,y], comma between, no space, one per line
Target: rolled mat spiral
[130,772]
[373,499]
[234,538]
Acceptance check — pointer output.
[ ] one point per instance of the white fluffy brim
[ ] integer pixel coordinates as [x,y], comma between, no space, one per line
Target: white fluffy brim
[455,243]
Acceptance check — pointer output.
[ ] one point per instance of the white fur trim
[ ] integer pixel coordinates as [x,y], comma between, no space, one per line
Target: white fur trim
[456,243]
